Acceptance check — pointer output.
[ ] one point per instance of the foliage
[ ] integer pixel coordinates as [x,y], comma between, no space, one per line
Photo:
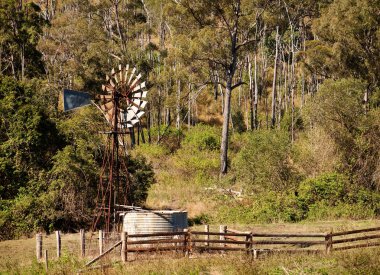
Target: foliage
[338,109]
[315,153]
[169,137]
[202,137]
[140,180]
[331,188]
[263,162]
[198,153]
[20,30]
[270,207]
[331,196]
[351,29]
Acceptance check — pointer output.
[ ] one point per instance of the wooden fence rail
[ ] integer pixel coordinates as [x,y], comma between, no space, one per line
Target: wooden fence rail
[253,243]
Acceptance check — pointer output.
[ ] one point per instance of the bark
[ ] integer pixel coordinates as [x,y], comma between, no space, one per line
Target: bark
[292,83]
[274,92]
[178,107]
[230,72]
[225,129]
[255,111]
[189,109]
[22,56]
[251,95]
[148,123]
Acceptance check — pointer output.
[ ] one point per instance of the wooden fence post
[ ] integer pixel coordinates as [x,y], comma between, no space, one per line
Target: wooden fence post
[39,246]
[124,247]
[207,237]
[185,241]
[100,242]
[255,254]
[82,243]
[248,246]
[329,244]
[58,237]
[46,260]
[222,229]
[190,244]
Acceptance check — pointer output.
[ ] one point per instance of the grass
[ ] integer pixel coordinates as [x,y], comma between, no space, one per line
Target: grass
[365,261]
[18,256]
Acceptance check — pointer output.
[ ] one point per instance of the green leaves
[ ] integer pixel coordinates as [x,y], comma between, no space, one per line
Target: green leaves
[263,162]
[351,28]
[20,30]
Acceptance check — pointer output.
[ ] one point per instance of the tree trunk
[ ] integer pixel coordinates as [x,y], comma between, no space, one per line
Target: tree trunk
[251,95]
[255,98]
[293,83]
[148,123]
[274,94]
[22,61]
[178,107]
[189,109]
[226,122]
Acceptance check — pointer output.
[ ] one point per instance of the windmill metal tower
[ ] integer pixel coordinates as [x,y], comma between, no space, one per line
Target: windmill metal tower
[122,105]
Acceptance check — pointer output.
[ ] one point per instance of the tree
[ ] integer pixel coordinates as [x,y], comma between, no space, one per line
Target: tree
[338,108]
[220,32]
[351,28]
[20,29]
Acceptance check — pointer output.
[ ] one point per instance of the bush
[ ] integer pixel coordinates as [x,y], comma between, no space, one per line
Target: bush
[265,208]
[199,153]
[263,162]
[331,188]
[202,137]
[170,137]
[332,196]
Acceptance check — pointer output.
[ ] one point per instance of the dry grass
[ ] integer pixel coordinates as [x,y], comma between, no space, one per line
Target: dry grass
[18,256]
[365,261]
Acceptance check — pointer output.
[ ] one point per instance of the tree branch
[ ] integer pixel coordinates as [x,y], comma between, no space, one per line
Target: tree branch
[238,84]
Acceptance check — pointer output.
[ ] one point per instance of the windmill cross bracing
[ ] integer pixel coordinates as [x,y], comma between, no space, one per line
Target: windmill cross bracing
[122,106]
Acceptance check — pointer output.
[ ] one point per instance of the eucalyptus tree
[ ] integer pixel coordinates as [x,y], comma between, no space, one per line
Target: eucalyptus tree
[20,29]
[350,29]
[214,36]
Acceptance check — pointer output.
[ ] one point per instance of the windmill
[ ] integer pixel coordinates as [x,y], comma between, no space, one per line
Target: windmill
[122,104]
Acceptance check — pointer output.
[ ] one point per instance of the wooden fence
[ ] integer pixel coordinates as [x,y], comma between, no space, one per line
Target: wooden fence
[251,243]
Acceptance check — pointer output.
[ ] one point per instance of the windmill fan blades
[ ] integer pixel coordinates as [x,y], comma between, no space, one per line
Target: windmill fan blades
[140,103]
[140,94]
[135,81]
[139,87]
[125,88]
[132,74]
[126,73]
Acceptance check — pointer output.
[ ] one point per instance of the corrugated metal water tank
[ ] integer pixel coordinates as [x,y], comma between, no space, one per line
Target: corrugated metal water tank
[145,222]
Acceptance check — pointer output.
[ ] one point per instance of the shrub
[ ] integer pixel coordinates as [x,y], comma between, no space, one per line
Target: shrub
[202,137]
[331,188]
[199,154]
[332,196]
[265,208]
[263,162]
[169,137]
